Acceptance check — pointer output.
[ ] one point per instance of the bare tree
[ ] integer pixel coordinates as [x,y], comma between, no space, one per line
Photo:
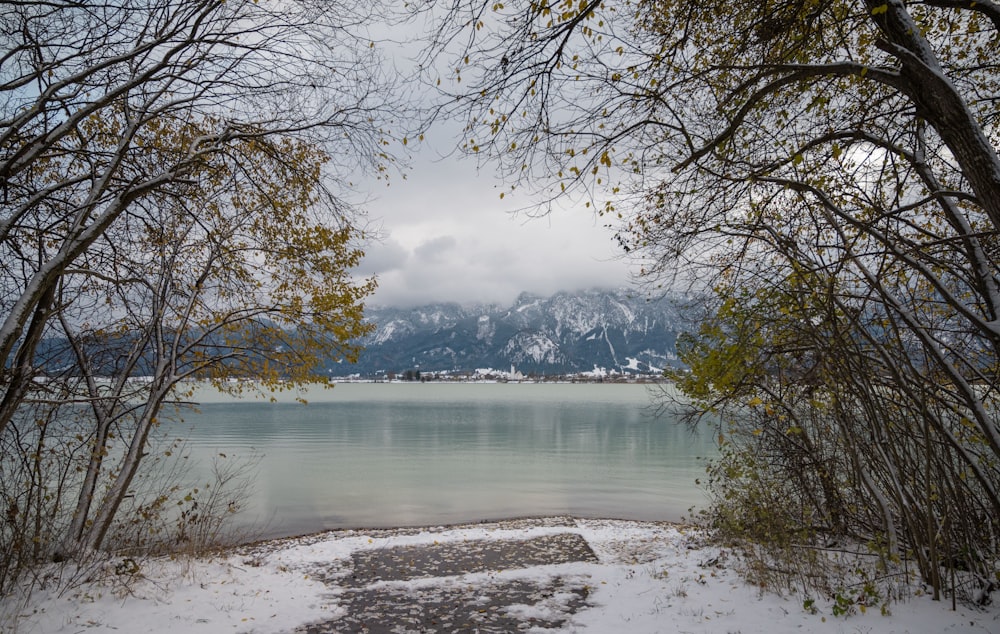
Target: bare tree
[106,106]
[829,173]
[173,208]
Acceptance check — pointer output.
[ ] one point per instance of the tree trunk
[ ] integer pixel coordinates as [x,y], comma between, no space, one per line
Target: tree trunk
[106,512]
[939,102]
[21,374]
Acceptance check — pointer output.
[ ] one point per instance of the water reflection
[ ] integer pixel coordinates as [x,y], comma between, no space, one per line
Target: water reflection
[386,455]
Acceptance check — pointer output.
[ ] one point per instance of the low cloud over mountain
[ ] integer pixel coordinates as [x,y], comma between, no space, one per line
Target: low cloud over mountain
[567,332]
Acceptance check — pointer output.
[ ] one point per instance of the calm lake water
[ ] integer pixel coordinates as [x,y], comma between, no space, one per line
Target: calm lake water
[378,455]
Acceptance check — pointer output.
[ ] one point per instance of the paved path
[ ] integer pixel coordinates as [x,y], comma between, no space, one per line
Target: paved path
[455,587]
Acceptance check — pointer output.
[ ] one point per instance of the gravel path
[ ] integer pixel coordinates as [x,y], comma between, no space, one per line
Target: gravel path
[457,587]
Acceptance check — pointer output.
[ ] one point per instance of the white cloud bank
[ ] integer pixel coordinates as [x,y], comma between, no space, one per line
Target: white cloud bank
[448,236]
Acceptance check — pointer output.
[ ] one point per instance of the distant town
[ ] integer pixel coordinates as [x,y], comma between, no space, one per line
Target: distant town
[490,375]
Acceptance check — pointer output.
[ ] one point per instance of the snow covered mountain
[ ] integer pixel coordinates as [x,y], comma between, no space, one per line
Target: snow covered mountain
[567,332]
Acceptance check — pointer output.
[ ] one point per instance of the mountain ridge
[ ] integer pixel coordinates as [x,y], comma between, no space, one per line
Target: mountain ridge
[567,332]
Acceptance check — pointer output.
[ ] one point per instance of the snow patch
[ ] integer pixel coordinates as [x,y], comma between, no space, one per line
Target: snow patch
[648,577]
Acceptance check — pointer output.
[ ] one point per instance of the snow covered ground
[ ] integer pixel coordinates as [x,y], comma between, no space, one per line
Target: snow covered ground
[635,577]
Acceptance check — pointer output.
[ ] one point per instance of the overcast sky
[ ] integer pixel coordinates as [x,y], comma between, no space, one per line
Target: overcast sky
[449,237]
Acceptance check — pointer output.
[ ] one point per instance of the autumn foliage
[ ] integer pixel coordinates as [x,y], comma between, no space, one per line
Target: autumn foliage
[826,175]
[172,209]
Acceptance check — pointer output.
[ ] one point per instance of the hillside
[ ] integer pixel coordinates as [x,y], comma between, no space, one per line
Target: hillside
[567,332]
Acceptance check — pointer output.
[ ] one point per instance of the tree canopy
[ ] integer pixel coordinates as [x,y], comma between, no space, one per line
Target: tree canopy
[175,186]
[828,174]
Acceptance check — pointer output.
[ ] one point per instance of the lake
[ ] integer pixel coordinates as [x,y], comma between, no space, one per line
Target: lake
[395,454]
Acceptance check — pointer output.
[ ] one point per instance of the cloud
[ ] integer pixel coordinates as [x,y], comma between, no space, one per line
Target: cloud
[452,238]
[382,257]
[435,250]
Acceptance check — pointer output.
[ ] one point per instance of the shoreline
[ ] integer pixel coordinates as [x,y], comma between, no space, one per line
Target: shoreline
[516,521]
[262,536]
